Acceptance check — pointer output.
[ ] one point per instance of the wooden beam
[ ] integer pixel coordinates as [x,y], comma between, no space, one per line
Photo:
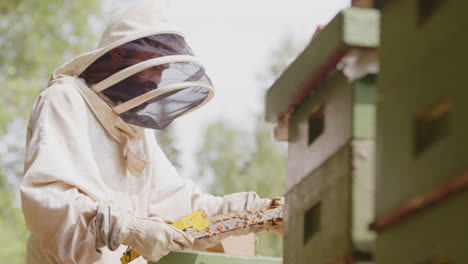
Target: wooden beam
[421,202]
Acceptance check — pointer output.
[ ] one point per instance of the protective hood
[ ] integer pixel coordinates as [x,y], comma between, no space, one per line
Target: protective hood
[143,68]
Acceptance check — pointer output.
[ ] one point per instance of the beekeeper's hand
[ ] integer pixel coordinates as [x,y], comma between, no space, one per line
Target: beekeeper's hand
[276,226]
[152,238]
[277,202]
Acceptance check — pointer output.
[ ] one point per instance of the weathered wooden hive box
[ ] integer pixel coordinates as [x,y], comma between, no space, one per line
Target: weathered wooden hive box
[324,104]
[203,257]
[422,128]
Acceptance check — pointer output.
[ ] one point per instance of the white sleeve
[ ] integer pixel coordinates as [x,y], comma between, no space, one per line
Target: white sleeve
[58,181]
[173,197]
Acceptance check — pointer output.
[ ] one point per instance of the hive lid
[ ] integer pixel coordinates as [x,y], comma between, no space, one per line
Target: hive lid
[351,28]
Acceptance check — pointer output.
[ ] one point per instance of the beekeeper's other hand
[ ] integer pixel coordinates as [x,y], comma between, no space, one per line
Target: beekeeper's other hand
[152,238]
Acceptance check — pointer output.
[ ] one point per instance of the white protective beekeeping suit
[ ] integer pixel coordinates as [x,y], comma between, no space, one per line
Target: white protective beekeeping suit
[87,171]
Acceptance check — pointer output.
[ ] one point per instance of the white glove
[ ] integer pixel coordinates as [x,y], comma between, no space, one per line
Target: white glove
[240,201]
[152,238]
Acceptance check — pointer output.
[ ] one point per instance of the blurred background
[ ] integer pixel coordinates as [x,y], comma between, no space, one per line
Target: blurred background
[226,146]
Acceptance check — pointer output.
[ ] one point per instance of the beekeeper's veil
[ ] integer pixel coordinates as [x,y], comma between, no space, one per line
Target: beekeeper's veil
[143,68]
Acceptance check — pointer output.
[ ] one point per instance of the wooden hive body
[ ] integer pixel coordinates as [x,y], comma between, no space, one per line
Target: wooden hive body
[422,147]
[331,124]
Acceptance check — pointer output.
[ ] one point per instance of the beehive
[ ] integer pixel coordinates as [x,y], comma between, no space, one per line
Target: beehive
[329,120]
[421,133]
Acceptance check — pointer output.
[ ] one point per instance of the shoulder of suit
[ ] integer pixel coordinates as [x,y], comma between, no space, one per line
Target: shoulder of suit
[64,95]
[61,90]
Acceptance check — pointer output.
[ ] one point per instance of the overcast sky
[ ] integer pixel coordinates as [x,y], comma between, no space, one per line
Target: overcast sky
[234,40]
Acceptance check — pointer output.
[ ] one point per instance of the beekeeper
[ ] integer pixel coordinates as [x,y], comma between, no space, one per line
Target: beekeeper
[95,179]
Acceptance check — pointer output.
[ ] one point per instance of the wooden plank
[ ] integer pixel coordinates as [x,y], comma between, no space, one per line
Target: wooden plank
[318,213]
[240,245]
[334,97]
[407,43]
[363,3]
[363,193]
[435,235]
[200,257]
[421,202]
[364,108]
[381,3]
[403,172]
[236,245]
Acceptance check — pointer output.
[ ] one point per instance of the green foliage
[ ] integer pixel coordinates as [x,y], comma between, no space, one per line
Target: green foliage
[14,231]
[241,160]
[245,161]
[281,57]
[36,36]
[223,155]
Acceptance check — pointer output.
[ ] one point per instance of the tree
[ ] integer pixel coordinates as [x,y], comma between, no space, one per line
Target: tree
[166,140]
[281,57]
[36,36]
[240,160]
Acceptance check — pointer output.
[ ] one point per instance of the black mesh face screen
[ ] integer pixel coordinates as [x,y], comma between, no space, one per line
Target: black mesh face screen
[154,77]
[159,112]
[163,104]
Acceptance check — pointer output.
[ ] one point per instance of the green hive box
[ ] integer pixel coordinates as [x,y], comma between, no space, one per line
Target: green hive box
[202,257]
[415,30]
[330,124]
[330,207]
[422,128]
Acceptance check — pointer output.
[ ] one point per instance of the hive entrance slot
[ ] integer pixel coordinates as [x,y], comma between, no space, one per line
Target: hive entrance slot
[431,125]
[426,9]
[316,125]
[312,222]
